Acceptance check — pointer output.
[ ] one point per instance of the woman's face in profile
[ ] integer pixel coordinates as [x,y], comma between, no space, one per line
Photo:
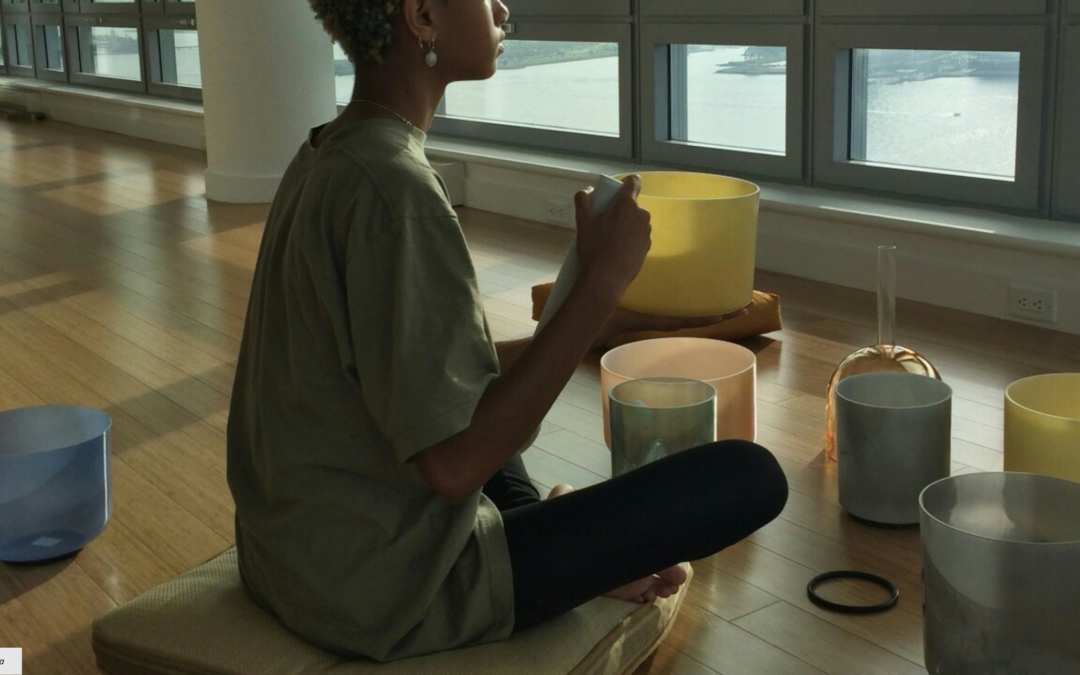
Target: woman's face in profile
[470,38]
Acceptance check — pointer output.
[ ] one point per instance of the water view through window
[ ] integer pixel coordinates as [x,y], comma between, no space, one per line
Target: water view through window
[736,96]
[110,52]
[567,86]
[180,57]
[951,111]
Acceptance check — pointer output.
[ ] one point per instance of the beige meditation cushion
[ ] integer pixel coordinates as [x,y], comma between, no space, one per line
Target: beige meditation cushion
[204,623]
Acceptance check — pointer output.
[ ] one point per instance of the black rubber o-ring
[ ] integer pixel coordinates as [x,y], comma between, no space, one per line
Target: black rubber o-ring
[811,592]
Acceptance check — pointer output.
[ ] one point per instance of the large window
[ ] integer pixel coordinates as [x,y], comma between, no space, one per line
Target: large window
[18,44]
[949,112]
[957,101]
[21,46]
[562,85]
[109,52]
[733,96]
[52,46]
[48,44]
[172,57]
[105,55]
[724,96]
[936,110]
[179,53]
[145,46]
[565,86]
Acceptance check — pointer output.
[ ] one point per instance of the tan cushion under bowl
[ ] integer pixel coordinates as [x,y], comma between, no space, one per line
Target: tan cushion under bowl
[204,623]
[762,316]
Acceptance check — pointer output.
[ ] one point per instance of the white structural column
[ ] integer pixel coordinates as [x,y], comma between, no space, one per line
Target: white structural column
[267,77]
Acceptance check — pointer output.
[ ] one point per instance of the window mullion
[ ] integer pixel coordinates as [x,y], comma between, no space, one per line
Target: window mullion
[858,92]
[678,94]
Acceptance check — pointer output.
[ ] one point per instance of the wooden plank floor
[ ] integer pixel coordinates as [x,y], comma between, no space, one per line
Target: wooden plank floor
[122,288]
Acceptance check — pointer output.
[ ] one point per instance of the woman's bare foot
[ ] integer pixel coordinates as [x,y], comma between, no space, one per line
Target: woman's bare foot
[560,490]
[663,584]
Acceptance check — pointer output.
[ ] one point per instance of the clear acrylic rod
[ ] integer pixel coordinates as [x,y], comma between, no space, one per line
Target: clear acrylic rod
[886,295]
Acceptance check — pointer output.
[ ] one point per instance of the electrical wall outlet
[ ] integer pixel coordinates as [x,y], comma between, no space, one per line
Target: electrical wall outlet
[559,211]
[1028,302]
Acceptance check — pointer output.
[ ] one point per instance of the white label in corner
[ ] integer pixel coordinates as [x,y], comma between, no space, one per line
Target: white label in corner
[10,660]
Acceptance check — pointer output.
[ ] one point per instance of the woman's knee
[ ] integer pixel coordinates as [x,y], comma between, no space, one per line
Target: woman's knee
[769,478]
[754,473]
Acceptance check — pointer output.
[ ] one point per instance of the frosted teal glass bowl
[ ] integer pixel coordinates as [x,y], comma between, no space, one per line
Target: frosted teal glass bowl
[655,417]
[55,493]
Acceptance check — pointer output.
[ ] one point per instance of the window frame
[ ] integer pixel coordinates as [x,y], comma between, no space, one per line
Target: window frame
[74,22]
[656,97]
[146,16]
[711,9]
[39,7]
[152,57]
[921,9]
[578,142]
[831,138]
[1066,191]
[111,8]
[40,72]
[15,6]
[563,9]
[177,8]
[155,8]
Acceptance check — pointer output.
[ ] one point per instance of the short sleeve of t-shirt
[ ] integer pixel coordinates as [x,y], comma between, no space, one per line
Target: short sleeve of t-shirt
[423,354]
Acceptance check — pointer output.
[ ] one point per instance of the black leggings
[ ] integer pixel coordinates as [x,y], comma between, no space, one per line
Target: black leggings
[567,551]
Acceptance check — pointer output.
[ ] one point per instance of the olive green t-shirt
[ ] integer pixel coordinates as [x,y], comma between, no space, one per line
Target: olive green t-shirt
[365,342]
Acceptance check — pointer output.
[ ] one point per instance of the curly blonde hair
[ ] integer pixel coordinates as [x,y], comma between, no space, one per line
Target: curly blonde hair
[363,28]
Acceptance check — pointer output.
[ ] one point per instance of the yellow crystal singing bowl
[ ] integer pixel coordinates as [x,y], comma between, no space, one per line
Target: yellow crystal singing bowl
[703,245]
[1042,425]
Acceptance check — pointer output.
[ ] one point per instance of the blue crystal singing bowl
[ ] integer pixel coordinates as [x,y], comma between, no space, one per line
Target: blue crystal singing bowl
[55,494]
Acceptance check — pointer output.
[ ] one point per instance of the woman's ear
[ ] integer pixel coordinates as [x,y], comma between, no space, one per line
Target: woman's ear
[419,18]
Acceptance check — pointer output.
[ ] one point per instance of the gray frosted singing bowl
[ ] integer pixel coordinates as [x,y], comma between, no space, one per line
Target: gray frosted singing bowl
[1001,589]
[893,438]
[55,492]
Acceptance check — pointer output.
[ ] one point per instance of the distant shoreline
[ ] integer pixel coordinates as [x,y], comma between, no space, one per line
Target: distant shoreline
[508,62]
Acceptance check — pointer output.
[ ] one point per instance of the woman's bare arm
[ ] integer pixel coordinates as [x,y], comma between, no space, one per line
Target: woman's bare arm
[611,248]
[510,351]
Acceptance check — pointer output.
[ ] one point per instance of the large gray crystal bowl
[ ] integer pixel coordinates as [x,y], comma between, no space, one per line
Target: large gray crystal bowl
[1001,575]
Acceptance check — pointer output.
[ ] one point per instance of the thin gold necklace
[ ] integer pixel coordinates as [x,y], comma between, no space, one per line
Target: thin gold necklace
[380,105]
